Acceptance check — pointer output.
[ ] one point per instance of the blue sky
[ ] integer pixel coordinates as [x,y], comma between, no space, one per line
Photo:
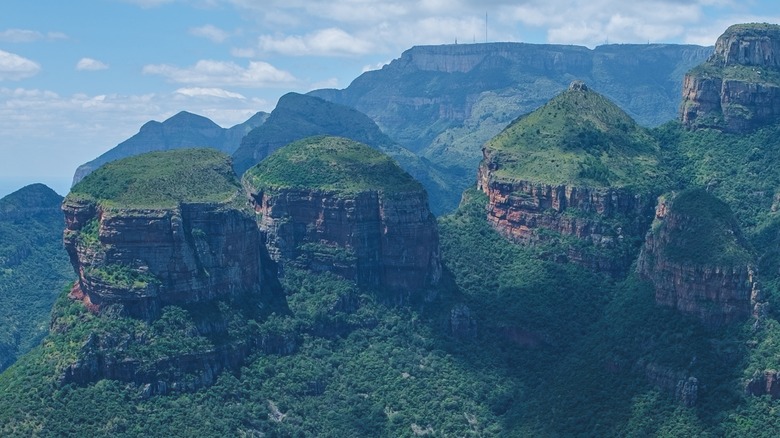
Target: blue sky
[77,77]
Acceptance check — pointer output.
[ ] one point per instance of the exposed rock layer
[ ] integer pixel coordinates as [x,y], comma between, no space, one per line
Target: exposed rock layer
[379,240]
[737,89]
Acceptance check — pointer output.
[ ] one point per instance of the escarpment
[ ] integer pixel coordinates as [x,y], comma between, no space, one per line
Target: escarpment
[578,172]
[738,88]
[332,204]
[697,259]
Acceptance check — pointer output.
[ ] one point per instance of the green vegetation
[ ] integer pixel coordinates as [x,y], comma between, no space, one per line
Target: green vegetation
[578,138]
[33,267]
[746,73]
[122,276]
[161,180]
[330,164]
[711,235]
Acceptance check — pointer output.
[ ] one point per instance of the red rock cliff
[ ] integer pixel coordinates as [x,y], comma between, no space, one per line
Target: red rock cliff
[375,239]
[138,260]
[738,88]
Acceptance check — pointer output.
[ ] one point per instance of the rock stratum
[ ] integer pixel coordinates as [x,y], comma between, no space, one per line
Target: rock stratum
[577,171]
[140,242]
[738,88]
[698,260]
[332,204]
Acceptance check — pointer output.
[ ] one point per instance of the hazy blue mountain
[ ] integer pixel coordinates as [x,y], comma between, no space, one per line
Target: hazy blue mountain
[183,130]
[33,267]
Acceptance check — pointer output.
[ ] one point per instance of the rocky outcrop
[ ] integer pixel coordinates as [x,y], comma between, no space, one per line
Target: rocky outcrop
[677,259]
[738,88]
[764,383]
[684,386]
[138,260]
[602,217]
[463,325]
[333,204]
[377,239]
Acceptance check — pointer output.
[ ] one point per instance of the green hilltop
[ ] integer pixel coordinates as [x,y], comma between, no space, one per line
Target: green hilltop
[330,164]
[579,138]
[161,180]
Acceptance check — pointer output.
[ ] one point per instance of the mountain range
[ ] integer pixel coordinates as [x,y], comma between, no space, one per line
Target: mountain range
[600,276]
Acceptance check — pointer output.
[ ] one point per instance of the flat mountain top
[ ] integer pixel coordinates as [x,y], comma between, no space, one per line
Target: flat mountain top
[330,164]
[161,180]
[580,138]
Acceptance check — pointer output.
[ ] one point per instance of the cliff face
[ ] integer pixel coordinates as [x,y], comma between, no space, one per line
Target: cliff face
[140,260]
[738,88]
[183,130]
[379,241]
[332,204]
[605,218]
[715,290]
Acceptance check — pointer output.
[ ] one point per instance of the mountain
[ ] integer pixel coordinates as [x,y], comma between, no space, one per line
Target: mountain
[578,170]
[33,267]
[738,88]
[444,102]
[183,130]
[332,204]
[298,116]
[163,236]
[564,306]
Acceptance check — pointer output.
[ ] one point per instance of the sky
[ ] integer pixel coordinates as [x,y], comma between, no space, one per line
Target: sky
[77,77]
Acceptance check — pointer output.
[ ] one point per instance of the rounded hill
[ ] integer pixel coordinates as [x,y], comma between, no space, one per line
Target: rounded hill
[161,179]
[330,164]
[578,138]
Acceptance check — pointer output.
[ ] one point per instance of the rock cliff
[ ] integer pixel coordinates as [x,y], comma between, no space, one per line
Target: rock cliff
[138,255]
[738,88]
[578,171]
[171,267]
[697,259]
[331,204]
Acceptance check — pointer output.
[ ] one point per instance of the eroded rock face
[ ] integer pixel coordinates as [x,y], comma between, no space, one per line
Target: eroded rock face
[607,218]
[715,294]
[766,383]
[378,240]
[136,261]
[737,89]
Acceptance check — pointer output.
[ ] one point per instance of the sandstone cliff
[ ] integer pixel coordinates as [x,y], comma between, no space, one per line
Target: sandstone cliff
[576,172]
[738,88]
[172,267]
[697,259]
[331,204]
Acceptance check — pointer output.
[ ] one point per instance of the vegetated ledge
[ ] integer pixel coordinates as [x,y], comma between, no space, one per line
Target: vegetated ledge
[333,204]
[157,232]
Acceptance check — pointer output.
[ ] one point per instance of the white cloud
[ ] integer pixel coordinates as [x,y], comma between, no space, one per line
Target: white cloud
[325,42]
[90,64]
[210,32]
[28,36]
[211,73]
[14,67]
[209,92]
